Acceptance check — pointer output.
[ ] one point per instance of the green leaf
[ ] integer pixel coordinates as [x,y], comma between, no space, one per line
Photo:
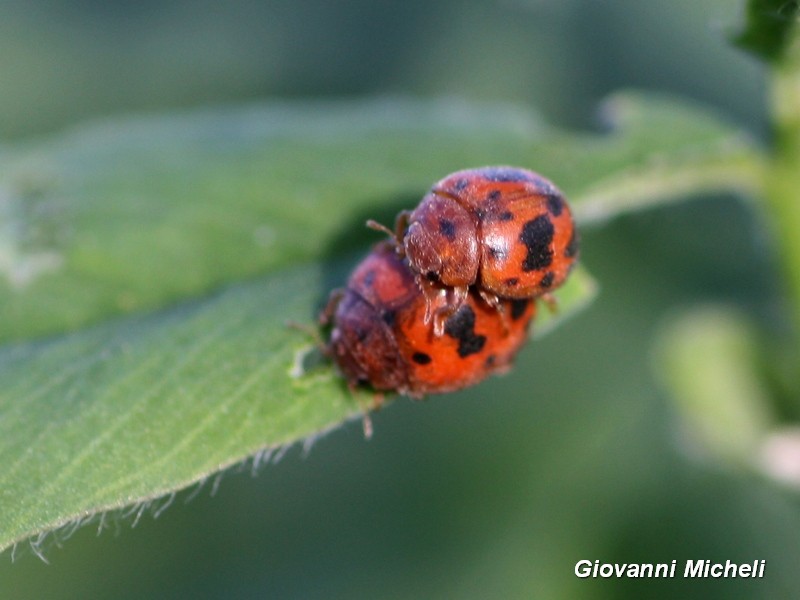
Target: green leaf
[708,359]
[769,28]
[148,268]
[135,409]
[131,215]
[662,151]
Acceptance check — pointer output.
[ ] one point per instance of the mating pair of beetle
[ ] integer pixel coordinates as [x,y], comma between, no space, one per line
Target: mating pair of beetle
[448,299]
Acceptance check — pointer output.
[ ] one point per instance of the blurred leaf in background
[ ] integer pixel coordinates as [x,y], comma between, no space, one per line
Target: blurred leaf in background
[61,62]
[768,30]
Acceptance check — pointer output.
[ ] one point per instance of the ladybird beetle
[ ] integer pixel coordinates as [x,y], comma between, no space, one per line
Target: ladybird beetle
[508,231]
[379,336]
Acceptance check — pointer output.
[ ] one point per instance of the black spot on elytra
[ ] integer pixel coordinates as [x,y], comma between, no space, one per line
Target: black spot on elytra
[388,317]
[447,228]
[547,280]
[511,281]
[518,308]
[537,235]
[490,360]
[493,196]
[571,250]
[432,276]
[421,358]
[497,253]
[461,326]
[506,174]
[369,278]
[506,215]
[460,184]
[555,204]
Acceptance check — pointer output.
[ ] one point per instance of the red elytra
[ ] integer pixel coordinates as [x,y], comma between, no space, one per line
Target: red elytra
[380,337]
[506,231]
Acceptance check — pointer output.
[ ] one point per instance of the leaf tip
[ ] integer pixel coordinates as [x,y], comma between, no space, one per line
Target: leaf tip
[769,28]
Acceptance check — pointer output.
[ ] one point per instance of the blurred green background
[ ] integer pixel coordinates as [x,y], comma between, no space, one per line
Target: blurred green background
[497,491]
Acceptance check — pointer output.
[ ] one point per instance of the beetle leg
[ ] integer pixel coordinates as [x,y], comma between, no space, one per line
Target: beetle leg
[493,301]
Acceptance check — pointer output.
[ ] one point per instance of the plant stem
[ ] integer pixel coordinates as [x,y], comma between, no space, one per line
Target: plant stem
[783,183]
